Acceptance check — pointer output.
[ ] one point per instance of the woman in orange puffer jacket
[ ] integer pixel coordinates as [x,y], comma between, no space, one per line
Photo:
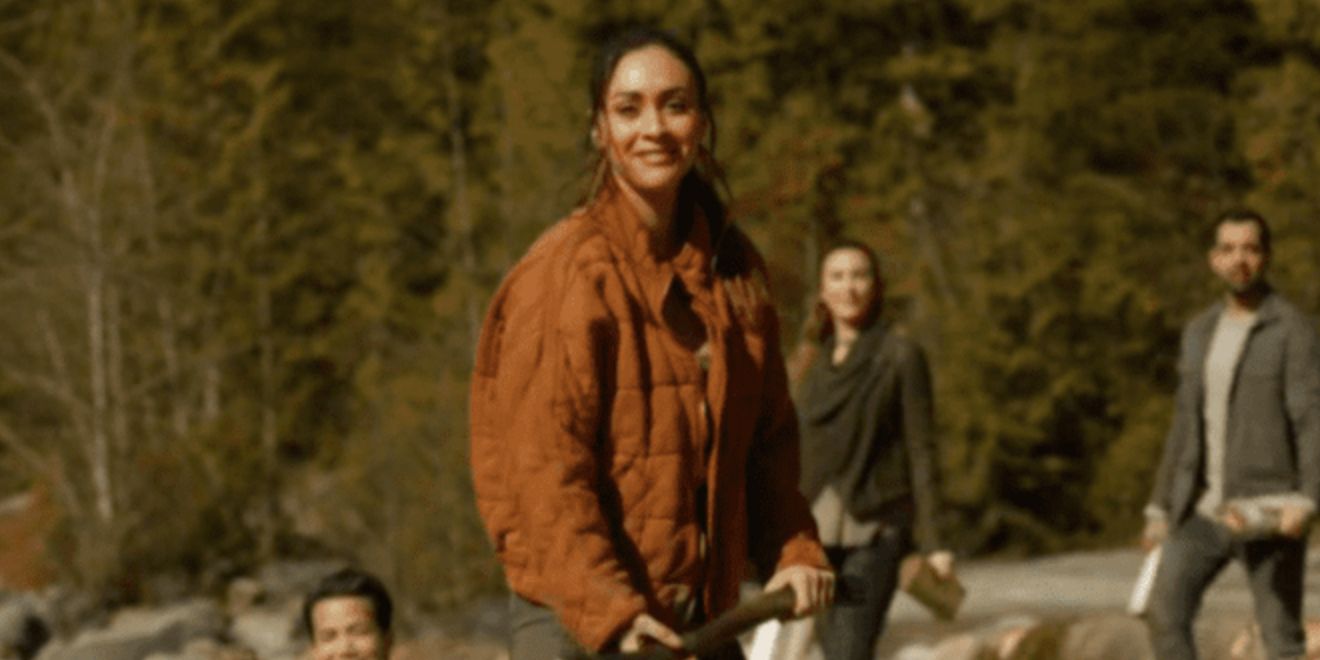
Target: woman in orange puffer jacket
[633,441]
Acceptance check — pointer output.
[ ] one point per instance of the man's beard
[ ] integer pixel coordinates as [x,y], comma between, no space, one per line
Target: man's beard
[1254,285]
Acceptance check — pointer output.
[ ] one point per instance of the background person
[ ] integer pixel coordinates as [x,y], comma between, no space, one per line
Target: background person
[348,617]
[633,441]
[1246,424]
[869,457]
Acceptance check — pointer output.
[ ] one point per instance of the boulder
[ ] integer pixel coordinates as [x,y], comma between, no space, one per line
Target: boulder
[1107,636]
[139,632]
[959,647]
[270,631]
[206,649]
[293,579]
[23,631]
[243,594]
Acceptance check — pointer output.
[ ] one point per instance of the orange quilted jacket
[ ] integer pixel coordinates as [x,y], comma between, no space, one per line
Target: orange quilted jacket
[591,433]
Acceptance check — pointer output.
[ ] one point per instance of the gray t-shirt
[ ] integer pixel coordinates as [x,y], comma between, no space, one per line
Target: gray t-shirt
[1226,344]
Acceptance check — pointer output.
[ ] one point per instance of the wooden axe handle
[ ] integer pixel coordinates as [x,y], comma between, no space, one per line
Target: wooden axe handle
[748,614]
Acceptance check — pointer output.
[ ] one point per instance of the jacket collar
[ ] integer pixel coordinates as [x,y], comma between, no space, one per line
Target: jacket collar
[1204,325]
[1266,312]
[656,270]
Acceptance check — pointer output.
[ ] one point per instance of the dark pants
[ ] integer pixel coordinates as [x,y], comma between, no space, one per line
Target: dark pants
[850,631]
[1194,555]
[536,634]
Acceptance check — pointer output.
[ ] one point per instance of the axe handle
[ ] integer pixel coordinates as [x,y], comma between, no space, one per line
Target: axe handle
[748,614]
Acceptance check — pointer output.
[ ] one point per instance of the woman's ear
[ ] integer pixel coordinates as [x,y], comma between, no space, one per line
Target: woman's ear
[595,135]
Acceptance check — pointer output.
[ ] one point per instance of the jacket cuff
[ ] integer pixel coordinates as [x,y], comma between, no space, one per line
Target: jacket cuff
[1155,513]
[601,629]
[802,550]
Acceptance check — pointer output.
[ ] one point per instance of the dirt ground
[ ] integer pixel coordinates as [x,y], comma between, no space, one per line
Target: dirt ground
[1091,584]
[1080,584]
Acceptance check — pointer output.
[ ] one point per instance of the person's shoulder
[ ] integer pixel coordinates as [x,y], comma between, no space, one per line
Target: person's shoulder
[1204,318]
[900,338]
[1285,308]
[895,343]
[574,244]
[576,239]
[531,296]
[1293,317]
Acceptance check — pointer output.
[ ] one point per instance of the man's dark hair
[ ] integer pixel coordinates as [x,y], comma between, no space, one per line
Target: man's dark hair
[351,582]
[1240,215]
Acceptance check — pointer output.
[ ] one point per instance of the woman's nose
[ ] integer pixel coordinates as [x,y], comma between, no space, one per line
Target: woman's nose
[653,122]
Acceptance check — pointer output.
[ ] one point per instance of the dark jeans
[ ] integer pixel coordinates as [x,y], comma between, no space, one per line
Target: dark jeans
[850,631]
[1194,555]
[536,634]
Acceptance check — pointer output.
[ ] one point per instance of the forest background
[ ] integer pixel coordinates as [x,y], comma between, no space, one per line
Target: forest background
[245,246]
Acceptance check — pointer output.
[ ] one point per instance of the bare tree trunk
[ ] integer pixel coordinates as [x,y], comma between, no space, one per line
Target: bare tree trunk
[461,204]
[115,380]
[85,223]
[99,448]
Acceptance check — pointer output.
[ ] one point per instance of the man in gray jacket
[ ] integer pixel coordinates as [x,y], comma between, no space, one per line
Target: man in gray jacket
[1240,475]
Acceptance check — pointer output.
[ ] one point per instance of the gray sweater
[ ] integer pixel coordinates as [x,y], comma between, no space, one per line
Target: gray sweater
[1272,432]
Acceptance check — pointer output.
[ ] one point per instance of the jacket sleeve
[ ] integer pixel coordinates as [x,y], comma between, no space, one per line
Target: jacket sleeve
[782,530]
[1184,399]
[919,436]
[1302,400]
[553,451]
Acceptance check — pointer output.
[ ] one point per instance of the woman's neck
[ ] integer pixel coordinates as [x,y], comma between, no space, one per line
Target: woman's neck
[655,210]
[845,335]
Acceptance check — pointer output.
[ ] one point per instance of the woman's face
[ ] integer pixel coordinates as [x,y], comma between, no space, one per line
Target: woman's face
[651,124]
[848,286]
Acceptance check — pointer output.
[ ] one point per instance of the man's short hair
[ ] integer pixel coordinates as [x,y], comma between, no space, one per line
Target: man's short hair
[351,582]
[1239,215]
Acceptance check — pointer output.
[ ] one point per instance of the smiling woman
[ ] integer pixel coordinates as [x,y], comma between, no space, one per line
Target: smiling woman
[632,437]
[868,435]
[650,126]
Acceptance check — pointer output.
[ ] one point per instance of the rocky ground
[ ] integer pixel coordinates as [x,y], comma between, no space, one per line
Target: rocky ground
[1085,595]
[1071,606]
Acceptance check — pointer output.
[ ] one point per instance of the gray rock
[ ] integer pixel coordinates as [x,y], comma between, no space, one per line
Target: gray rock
[915,652]
[137,633]
[244,594]
[23,631]
[293,579]
[206,649]
[69,611]
[1107,636]
[270,631]
[958,647]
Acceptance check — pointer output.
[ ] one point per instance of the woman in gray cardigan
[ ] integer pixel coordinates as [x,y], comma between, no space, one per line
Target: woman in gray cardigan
[868,455]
